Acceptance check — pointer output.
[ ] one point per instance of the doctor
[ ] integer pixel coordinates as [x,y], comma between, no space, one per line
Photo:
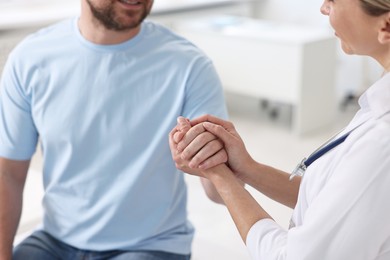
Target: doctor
[341,204]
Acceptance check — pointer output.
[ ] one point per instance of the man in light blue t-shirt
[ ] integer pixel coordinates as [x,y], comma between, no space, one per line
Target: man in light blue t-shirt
[101,92]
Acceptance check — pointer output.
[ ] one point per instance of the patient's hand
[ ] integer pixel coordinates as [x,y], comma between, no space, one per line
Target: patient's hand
[198,147]
[182,127]
[175,136]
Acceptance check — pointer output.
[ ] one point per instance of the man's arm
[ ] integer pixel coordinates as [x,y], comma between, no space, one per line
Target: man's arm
[12,179]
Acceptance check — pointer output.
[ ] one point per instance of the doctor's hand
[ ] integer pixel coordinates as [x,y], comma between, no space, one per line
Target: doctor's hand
[197,149]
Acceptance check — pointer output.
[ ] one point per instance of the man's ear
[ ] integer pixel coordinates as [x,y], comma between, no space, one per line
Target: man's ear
[384,33]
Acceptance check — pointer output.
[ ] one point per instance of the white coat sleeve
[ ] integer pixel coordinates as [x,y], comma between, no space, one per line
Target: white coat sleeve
[349,219]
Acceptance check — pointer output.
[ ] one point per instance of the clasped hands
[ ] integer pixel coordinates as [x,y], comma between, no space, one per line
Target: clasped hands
[206,142]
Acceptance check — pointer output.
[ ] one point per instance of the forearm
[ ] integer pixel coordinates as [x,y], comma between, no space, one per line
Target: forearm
[243,208]
[12,179]
[273,183]
[10,211]
[211,191]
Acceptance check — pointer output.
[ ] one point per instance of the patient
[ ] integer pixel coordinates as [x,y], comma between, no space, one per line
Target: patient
[100,93]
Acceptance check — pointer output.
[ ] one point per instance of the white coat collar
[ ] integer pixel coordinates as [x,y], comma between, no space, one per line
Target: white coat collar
[377,97]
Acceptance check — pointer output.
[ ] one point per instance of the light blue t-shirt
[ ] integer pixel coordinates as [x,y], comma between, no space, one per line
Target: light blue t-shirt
[102,115]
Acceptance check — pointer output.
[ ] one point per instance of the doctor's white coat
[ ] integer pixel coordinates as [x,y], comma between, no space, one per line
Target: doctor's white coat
[343,208]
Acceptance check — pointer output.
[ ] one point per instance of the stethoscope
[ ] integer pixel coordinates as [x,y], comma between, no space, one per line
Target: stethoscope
[320,151]
[331,143]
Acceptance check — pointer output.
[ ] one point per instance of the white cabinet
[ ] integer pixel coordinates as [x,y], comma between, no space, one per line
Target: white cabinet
[279,62]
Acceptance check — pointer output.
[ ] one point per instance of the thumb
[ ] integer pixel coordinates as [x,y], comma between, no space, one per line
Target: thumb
[218,131]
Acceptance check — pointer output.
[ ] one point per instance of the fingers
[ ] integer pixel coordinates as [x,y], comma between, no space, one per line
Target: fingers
[219,131]
[197,154]
[179,162]
[186,134]
[198,147]
[178,136]
[172,143]
[220,157]
[183,125]
[193,133]
[201,141]
[211,119]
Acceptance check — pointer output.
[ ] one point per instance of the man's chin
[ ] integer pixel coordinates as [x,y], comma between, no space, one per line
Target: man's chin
[128,22]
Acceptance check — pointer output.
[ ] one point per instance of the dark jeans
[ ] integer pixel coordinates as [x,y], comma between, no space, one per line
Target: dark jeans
[42,246]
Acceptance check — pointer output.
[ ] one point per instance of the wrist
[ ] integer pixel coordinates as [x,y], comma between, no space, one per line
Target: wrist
[252,171]
[245,170]
[214,172]
[222,178]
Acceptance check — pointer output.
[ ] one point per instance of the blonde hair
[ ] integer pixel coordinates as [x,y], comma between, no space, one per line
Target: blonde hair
[375,7]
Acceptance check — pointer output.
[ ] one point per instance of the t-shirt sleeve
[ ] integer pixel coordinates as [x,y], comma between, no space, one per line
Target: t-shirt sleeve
[18,134]
[204,93]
